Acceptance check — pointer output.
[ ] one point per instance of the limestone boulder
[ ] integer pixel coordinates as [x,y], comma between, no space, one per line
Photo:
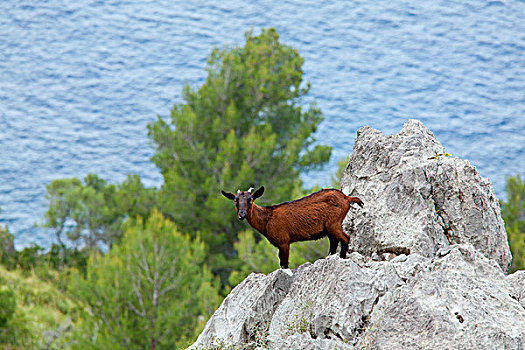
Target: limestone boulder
[417,202]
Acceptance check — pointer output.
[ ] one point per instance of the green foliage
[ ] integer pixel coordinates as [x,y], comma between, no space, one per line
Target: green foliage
[35,314]
[308,251]
[151,290]
[133,199]
[30,257]
[60,257]
[47,264]
[341,167]
[43,317]
[7,304]
[7,247]
[246,125]
[93,212]
[256,256]
[513,213]
[90,207]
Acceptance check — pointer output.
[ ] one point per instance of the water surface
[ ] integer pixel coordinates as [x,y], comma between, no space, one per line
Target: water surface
[80,81]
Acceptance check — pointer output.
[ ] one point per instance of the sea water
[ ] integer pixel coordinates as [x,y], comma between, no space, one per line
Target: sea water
[79,81]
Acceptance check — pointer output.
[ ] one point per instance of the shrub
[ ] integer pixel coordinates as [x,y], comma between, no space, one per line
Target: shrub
[7,305]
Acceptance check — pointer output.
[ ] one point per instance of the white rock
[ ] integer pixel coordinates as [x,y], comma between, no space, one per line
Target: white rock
[458,300]
[246,312]
[517,286]
[414,204]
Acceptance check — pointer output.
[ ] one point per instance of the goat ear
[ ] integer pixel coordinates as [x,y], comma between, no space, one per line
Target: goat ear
[258,193]
[228,195]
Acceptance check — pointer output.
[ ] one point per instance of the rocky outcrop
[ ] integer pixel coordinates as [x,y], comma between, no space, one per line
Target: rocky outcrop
[459,299]
[427,271]
[416,202]
[246,312]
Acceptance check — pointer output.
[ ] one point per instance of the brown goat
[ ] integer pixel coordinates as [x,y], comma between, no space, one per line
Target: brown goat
[312,217]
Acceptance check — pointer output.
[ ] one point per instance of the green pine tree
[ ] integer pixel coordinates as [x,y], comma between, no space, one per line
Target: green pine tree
[92,213]
[90,206]
[247,125]
[150,291]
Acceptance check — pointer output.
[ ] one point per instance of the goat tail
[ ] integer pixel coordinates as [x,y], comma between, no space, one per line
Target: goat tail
[355,200]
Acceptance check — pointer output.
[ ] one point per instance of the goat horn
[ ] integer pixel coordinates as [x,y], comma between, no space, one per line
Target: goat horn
[250,190]
[238,191]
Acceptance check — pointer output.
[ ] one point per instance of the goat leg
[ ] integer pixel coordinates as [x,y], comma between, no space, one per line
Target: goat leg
[333,245]
[284,251]
[344,249]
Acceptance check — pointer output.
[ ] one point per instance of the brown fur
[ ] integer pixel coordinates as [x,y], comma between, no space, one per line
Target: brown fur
[312,217]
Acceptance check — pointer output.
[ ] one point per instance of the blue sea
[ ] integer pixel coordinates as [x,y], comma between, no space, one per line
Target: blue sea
[80,80]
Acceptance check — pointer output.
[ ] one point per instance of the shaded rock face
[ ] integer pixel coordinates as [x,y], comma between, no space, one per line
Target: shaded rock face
[414,204]
[427,271]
